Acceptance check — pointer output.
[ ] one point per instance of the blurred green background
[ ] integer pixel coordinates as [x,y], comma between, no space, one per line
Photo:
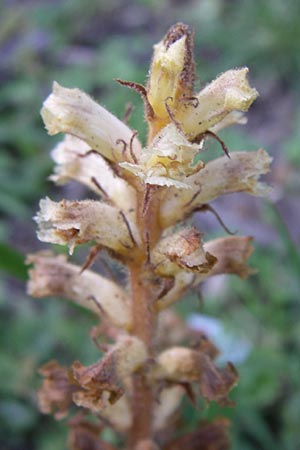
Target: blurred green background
[87,44]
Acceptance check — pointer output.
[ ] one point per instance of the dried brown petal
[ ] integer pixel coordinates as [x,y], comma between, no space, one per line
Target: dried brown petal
[184,365]
[215,384]
[55,395]
[103,383]
[209,436]
[182,250]
[52,275]
[232,253]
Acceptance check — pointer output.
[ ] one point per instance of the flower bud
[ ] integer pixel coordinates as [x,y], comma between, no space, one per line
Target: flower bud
[172,69]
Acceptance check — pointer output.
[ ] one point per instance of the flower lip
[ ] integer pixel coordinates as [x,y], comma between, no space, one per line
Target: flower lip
[168,161]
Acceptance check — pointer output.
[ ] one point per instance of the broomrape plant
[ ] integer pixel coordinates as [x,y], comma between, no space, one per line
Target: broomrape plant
[149,358]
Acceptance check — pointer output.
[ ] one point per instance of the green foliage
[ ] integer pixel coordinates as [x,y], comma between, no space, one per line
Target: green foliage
[12,261]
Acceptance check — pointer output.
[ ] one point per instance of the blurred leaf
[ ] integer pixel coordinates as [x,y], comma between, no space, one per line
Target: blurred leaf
[257,427]
[12,261]
[17,415]
[289,245]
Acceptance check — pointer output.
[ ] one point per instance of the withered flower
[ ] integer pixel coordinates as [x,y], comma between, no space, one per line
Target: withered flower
[184,365]
[104,383]
[147,192]
[56,393]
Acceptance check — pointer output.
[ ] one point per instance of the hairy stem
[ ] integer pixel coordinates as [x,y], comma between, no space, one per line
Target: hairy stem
[144,316]
[144,325]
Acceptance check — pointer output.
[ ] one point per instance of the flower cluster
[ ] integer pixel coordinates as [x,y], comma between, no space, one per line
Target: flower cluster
[152,359]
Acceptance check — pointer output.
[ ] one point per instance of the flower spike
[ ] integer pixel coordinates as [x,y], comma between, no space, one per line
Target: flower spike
[144,196]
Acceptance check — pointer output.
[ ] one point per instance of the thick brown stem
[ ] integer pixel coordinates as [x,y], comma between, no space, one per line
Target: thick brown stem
[142,304]
[143,327]
[144,319]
